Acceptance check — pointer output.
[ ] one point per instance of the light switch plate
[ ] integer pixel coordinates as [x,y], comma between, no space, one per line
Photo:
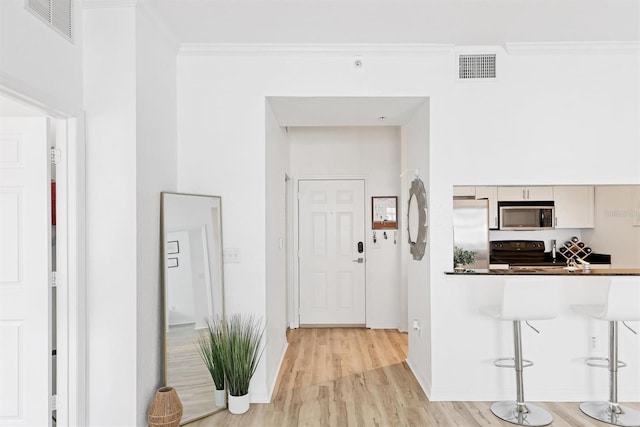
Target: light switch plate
[231,256]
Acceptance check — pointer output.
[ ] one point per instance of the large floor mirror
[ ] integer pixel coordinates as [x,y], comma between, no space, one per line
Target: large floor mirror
[193,292]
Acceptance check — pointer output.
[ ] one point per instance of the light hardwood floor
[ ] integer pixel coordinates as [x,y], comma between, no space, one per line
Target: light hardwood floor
[358,377]
[187,373]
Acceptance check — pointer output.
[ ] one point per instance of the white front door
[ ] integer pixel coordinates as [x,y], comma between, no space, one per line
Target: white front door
[331,266]
[25,350]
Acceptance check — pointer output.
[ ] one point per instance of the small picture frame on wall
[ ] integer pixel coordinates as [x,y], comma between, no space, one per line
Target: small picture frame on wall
[384,213]
[173,247]
[172,262]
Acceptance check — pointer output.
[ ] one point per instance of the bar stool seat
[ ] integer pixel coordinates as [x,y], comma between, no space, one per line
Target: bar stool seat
[523,299]
[622,304]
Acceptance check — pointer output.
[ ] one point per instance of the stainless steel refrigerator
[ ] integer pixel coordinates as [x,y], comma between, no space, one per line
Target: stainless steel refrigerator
[471,229]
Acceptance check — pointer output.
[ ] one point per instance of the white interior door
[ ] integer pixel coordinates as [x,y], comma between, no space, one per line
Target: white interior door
[332,270]
[25,349]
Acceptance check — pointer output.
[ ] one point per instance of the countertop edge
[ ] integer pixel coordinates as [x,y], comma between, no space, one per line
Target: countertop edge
[559,272]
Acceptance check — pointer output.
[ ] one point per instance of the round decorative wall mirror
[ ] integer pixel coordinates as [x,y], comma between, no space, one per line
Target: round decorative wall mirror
[417,219]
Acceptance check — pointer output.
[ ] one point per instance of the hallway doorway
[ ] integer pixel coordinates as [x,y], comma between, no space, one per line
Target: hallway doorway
[42,361]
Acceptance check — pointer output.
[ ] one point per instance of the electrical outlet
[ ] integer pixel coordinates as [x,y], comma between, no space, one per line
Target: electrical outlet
[417,326]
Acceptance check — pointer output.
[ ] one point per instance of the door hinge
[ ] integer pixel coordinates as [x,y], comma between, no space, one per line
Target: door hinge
[53,279]
[54,402]
[54,155]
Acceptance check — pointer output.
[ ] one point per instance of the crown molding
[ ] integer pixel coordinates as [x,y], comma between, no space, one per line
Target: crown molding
[103,4]
[243,49]
[355,49]
[573,48]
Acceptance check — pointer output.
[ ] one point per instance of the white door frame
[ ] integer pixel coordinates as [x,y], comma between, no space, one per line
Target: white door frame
[294,289]
[70,239]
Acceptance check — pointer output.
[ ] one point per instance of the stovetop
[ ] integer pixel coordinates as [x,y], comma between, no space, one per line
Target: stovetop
[517,251]
[516,246]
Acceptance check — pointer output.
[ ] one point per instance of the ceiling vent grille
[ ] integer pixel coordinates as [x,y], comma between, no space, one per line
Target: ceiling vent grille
[56,13]
[477,66]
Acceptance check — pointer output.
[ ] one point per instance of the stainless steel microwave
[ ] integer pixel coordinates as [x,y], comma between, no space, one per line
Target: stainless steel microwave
[526,215]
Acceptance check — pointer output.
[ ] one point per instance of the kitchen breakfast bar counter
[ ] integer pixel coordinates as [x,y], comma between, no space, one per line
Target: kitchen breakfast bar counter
[464,341]
[545,271]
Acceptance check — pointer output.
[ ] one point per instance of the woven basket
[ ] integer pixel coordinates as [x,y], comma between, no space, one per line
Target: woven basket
[165,409]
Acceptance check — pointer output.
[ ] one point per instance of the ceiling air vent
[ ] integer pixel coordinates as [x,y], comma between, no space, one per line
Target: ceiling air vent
[56,13]
[477,66]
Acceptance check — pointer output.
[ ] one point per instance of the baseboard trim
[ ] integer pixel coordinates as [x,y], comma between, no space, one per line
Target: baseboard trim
[271,386]
[382,325]
[424,383]
[333,325]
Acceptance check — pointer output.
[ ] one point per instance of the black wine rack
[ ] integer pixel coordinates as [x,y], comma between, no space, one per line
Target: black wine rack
[574,248]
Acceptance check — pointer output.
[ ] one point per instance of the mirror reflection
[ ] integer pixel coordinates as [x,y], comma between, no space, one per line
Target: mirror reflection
[193,293]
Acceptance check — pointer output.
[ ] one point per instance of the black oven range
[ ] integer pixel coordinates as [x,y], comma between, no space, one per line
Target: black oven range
[531,253]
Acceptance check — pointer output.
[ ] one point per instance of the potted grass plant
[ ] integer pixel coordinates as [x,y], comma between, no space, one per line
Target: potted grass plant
[242,350]
[211,346]
[462,257]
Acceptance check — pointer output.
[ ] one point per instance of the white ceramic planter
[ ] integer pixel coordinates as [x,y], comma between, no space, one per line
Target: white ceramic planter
[221,397]
[238,404]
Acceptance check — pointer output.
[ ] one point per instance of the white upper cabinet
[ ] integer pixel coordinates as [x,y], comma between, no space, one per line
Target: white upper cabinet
[525,194]
[462,191]
[574,206]
[490,193]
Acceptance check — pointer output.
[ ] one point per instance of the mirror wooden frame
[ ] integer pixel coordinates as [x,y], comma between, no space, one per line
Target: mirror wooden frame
[191,233]
[417,240]
[380,206]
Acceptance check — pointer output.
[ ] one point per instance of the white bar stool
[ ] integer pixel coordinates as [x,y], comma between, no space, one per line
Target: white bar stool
[523,299]
[622,304]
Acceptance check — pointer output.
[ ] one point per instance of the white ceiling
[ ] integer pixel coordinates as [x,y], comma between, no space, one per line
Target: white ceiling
[459,22]
[451,22]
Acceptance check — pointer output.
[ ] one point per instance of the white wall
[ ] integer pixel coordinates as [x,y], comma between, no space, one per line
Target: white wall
[156,171]
[536,103]
[131,127]
[38,62]
[416,136]
[110,102]
[277,167]
[463,363]
[542,113]
[372,153]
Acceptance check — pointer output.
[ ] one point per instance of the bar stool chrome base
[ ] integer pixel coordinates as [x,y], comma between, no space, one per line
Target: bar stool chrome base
[522,415]
[612,413]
